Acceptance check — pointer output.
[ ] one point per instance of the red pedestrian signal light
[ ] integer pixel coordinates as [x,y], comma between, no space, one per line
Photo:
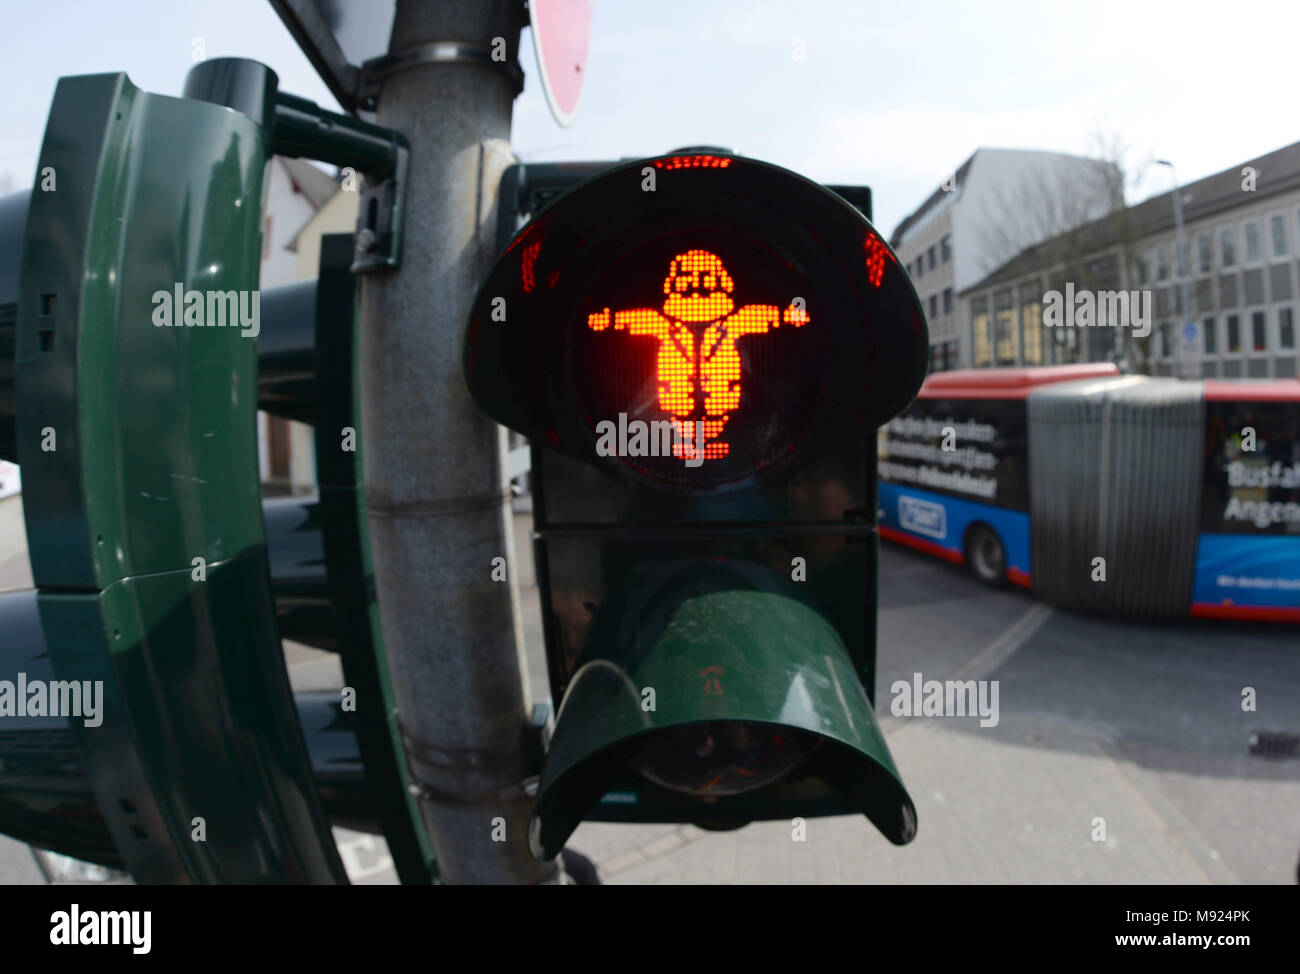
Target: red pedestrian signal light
[739,314]
[699,347]
[698,367]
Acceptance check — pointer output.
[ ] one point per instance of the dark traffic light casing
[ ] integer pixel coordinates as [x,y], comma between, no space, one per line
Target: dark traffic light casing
[698,347]
[151,550]
[143,514]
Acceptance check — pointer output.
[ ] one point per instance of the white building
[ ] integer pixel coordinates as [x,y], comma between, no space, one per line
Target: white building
[11,481]
[294,191]
[996,203]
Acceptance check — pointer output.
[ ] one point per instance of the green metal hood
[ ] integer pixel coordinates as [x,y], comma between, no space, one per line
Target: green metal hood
[711,686]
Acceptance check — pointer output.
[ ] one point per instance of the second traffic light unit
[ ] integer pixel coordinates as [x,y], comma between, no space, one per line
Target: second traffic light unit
[699,346]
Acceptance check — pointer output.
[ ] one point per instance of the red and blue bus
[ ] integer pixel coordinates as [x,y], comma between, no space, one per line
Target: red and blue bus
[1125,495]
[1248,548]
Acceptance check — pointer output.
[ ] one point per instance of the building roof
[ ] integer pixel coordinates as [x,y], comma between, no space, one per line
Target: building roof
[1276,171]
[959,180]
[992,156]
[313,183]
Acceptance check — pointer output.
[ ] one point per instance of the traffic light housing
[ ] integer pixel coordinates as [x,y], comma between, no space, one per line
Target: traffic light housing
[148,538]
[698,346]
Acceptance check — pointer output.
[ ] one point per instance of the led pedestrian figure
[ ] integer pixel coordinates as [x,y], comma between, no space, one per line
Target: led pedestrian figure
[697,333]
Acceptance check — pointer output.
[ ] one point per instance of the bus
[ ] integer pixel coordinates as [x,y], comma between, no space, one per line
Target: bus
[1248,548]
[1124,495]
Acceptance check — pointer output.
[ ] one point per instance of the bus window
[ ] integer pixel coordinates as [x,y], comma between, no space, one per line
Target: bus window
[1248,551]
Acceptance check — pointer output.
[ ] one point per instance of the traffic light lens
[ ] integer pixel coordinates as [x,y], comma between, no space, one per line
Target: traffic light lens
[711,760]
[700,361]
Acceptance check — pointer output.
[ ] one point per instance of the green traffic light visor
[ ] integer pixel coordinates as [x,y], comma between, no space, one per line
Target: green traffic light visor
[722,702]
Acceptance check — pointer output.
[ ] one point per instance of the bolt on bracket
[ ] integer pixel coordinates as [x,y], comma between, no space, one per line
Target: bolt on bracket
[303,128]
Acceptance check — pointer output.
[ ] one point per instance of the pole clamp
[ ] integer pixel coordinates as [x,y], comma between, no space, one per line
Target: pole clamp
[375,71]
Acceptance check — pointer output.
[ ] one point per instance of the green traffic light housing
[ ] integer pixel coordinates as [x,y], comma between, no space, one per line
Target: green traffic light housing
[162,578]
[755,705]
[699,347]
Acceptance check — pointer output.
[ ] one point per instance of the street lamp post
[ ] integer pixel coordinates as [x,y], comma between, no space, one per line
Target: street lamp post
[1187,331]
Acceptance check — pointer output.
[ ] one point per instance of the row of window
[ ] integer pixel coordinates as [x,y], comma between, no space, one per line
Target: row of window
[947,303]
[1252,237]
[1000,344]
[1284,319]
[945,355]
[943,255]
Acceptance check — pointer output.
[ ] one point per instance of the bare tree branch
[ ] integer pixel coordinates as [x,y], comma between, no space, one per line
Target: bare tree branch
[1053,206]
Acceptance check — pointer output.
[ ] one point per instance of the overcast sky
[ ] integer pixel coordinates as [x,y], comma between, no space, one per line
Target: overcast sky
[891,95]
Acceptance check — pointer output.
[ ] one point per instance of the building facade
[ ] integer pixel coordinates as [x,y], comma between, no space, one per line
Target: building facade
[968,226]
[294,192]
[1241,266]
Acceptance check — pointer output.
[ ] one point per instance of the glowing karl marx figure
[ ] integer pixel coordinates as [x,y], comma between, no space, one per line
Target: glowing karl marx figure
[697,334]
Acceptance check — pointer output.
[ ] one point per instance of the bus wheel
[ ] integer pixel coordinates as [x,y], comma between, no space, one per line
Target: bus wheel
[985,556]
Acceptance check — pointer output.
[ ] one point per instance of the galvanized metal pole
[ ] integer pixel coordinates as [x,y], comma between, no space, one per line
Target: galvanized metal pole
[436,487]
